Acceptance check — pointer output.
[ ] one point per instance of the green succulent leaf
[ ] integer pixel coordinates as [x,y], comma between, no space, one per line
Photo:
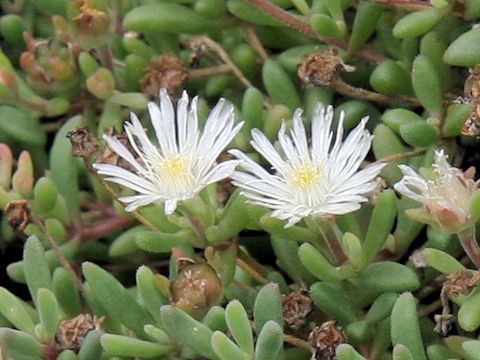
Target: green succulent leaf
[115,299]
[268,307]
[405,328]
[269,341]
[239,326]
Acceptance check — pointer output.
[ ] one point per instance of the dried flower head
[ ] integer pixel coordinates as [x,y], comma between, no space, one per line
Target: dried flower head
[18,214]
[321,68]
[318,180]
[165,72]
[461,283]
[325,339]
[471,127]
[182,164]
[72,332]
[446,196]
[83,142]
[296,307]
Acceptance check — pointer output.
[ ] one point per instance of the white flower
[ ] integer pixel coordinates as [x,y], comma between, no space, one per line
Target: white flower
[184,161]
[317,180]
[446,197]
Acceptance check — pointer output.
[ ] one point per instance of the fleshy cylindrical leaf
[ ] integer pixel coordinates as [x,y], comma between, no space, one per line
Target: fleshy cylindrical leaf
[405,328]
[239,326]
[268,306]
[269,341]
[119,345]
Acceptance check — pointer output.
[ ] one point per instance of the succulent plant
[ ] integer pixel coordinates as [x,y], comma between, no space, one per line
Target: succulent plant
[269,226]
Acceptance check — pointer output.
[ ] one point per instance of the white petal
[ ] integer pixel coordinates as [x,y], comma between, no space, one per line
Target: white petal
[261,143]
[170,206]
[221,171]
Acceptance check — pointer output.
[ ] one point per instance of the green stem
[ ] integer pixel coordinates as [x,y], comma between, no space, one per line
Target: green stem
[331,242]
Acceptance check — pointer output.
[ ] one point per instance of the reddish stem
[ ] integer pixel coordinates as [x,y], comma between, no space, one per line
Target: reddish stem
[294,22]
[97,230]
[470,245]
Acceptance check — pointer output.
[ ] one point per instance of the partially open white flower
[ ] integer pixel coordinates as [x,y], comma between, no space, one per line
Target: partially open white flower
[317,180]
[184,161]
[446,197]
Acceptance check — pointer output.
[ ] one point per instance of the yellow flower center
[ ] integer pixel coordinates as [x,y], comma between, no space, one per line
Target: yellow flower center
[173,167]
[307,176]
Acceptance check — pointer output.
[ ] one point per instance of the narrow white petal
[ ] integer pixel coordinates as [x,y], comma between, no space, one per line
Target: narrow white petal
[182,116]
[170,206]
[221,171]
[265,148]
[121,150]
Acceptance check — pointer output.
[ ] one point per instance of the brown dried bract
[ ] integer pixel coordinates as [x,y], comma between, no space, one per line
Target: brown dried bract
[72,332]
[471,127]
[321,69]
[165,72]
[109,156]
[461,282]
[83,142]
[90,19]
[325,339]
[296,307]
[18,214]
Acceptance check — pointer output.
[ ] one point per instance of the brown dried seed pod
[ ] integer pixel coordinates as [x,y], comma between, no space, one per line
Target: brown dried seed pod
[296,307]
[321,68]
[461,282]
[325,339]
[18,214]
[72,332]
[165,72]
[83,142]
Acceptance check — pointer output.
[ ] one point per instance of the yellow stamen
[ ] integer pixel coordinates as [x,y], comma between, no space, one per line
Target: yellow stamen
[307,176]
[173,167]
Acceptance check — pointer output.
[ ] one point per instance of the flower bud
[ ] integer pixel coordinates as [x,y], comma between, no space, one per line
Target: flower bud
[6,161]
[60,69]
[22,180]
[92,26]
[448,195]
[196,289]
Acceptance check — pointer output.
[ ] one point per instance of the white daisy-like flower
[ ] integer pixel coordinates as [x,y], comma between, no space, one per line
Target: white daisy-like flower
[317,180]
[446,196]
[184,159]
